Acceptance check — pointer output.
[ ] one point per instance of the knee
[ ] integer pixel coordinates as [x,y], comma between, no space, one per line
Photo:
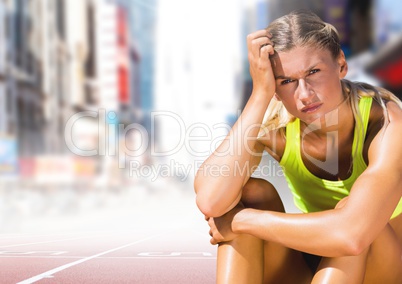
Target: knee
[260,194]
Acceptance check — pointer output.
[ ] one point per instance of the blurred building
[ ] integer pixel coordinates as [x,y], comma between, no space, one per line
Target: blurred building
[141,19]
[103,91]
[387,21]
[27,100]
[386,66]
[3,70]
[386,62]
[8,114]
[59,59]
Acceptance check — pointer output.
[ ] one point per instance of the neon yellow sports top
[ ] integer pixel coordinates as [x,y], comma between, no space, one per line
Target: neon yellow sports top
[313,194]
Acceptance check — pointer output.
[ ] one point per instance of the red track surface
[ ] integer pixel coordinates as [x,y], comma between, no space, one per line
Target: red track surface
[162,245]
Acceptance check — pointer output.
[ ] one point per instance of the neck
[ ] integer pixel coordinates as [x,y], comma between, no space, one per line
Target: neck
[339,121]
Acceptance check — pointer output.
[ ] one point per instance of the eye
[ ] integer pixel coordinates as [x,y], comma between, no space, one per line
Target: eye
[313,71]
[287,81]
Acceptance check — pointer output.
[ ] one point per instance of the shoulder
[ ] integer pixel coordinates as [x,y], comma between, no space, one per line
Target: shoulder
[378,116]
[394,112]
[377,121]
[274,142]
[384,132]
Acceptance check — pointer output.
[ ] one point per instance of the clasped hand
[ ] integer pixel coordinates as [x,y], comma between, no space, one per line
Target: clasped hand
[221,227]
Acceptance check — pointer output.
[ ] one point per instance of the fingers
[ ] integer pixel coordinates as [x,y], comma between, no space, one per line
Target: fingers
[210,221]
[213,241]
[256,35]
[266,50]
[259,44]
[216,239]
[216,236]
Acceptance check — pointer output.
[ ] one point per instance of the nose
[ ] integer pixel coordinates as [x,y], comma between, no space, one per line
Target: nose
[304,91]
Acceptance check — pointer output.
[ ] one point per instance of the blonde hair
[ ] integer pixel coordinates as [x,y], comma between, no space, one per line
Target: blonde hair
[304,28]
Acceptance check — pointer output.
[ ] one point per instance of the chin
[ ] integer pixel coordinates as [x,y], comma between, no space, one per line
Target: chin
[315,118]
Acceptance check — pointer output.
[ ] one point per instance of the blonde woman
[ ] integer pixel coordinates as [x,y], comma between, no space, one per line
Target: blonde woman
[339,144]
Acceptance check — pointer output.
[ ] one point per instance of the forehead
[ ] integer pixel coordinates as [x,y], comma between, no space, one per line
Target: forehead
[299,60]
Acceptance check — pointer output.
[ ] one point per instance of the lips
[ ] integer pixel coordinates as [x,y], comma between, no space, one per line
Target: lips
[311,108]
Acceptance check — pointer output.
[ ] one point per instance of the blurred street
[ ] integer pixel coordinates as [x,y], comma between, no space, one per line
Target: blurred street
[26,208]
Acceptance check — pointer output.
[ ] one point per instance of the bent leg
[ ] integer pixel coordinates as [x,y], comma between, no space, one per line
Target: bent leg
[384,261]
[247,259]
[241,261]
[346,269]
[380,263]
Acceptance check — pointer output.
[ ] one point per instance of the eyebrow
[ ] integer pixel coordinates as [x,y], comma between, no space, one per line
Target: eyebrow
[313,66]
[281,77]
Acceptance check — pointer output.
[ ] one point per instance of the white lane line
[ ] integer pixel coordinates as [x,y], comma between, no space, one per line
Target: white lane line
[115,257]
[35,235]
[68,265]
[86,233]
[45,242]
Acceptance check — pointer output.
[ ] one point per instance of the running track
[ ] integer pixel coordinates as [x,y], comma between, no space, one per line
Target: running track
[149,234]
[162,240]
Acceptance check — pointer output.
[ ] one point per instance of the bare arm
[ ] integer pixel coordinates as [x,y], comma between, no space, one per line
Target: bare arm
[217,194]
[357,220]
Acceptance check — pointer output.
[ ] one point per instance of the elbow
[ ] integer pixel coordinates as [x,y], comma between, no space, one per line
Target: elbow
[204,207]
[206,201]
[215,200]
[202,201]
[354,248]
[353,245]
[353,240]
[207,208]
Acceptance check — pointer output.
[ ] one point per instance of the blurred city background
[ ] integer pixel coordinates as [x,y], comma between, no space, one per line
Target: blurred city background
[110,104]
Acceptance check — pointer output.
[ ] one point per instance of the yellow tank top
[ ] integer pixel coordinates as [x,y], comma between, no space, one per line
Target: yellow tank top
[313,194]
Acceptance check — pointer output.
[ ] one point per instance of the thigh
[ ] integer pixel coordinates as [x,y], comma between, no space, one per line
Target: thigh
[380,263]
[281,264]
[344,269]
[384,261]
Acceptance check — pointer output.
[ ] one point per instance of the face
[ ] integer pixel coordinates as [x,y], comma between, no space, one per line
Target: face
[308,81]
